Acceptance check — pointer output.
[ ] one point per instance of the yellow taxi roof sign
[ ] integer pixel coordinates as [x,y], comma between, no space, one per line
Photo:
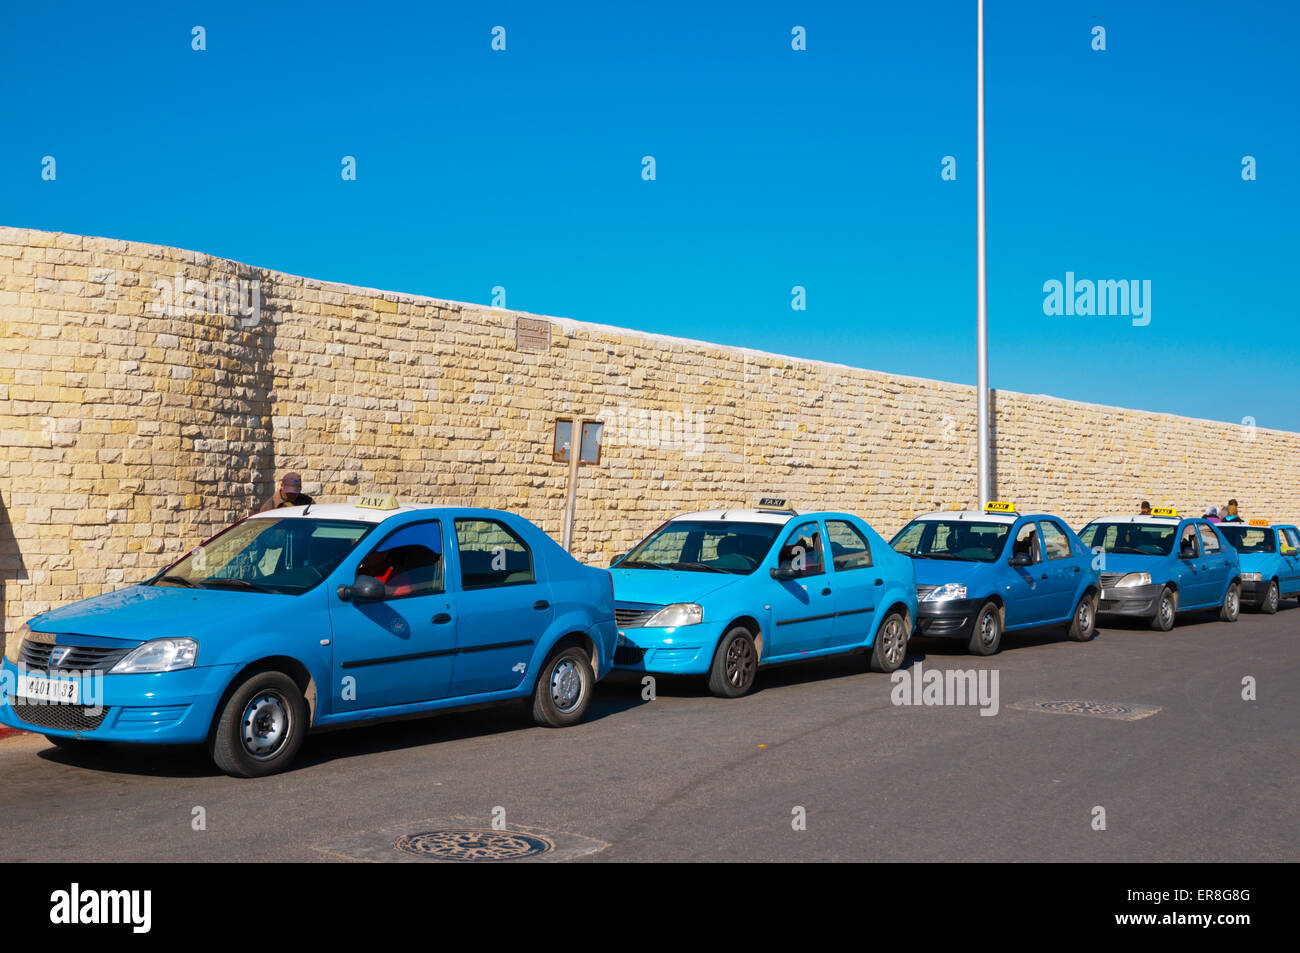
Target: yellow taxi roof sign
[377,501]
[1257,522]
[996,506]
[1163,511]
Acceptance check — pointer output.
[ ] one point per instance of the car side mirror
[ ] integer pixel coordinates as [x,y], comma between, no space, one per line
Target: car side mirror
[365,589]
[1021,559]
[783,573]
[616,560]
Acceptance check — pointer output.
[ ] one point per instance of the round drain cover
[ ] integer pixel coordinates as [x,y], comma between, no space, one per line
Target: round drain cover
[1086,708]
[473,845]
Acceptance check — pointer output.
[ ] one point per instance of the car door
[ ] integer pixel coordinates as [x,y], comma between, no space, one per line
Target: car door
[1023,586]
[855,584]
[1289,549]
[395,651]
[1216,562]
[505,605]
[1062,570]
[803,609]
[1194,583]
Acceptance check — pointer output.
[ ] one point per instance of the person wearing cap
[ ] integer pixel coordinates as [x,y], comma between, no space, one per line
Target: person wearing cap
[289,494]
[1212,515]
[1231,515]
[1145,509]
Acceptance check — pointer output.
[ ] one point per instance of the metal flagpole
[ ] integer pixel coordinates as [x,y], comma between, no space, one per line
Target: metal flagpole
[981,266]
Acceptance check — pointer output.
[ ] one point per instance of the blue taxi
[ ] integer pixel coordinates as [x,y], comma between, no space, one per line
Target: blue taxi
[313,617]
[1270,562]
[721,593]
[1153,567]
[980,573]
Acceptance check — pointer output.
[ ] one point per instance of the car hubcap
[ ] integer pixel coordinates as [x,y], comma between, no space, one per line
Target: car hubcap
[266,724]
[1232,602]
[740,662]
[1272,597]
[1085,616]
[566,685]
[988,629]
[893,642]
[1166,610]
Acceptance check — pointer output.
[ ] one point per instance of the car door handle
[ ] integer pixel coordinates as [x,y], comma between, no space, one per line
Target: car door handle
[1077,569]
[880,582]
[442,618]
[826,591]
[1043,576]
[541,604]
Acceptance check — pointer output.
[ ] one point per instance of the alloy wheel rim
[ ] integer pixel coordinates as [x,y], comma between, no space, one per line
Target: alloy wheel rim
[266,725]
[1085,616]
[740,661]
[1272,597]
[893,642]
[566,685]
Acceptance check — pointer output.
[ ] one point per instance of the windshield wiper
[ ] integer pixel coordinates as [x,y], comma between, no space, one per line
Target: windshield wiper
[959,559]
[699,565]
[639,562]
[220,581]
[178,580]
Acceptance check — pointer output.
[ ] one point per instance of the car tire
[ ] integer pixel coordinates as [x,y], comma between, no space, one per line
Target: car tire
[1271,598]
[1231,608]
[735,663]
[563,689]
[986,636]
[1166,610]
[1083,624]
[261,726]
[890,646]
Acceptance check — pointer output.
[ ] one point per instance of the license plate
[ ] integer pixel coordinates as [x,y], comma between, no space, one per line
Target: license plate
[54,690]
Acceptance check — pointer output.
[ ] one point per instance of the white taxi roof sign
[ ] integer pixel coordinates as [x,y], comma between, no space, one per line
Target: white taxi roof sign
[997,506]
[377,501]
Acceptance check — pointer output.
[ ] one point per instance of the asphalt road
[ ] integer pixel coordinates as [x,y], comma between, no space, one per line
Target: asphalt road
[1207,777]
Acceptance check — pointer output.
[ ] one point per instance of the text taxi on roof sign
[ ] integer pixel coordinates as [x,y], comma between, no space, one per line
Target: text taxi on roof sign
[316,617]
[982,573]
[721,593]
[1154,567]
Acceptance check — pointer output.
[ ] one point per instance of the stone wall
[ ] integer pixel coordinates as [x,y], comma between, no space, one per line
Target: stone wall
[147,398]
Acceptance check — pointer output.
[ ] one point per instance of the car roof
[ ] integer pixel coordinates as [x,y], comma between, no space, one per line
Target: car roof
[1146,520]
[343,511]
[778,517]
[973,515]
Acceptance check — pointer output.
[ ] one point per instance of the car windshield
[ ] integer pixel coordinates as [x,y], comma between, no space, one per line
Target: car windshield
[704,546]
[965,540]
[1248,539]
[1135,539]
[284,555]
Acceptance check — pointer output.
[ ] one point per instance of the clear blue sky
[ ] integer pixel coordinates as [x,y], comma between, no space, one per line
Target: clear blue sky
[774,168]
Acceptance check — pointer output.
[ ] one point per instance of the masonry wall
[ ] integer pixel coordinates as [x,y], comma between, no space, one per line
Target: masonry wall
[136,418]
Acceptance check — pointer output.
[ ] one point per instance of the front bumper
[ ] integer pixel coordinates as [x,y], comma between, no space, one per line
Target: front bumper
[162,708]
[1253,592]
[949,619]
[1140,601]
[683,650]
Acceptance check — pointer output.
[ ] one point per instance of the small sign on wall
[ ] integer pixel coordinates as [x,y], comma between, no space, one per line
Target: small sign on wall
[532,334]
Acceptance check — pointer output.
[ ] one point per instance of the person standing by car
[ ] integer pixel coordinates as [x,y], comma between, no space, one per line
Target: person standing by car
[1212,515]
[289,494]
[1230,514]
[1145,508]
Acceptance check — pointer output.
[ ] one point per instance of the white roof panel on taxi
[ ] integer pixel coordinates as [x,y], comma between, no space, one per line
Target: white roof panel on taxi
[1139,518]
[972,515]
[778,517]
[339,511]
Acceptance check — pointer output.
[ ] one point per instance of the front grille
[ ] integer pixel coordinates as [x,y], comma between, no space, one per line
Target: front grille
[628,618]
[1108,579]
[82,658]
[923,591]
[62,717]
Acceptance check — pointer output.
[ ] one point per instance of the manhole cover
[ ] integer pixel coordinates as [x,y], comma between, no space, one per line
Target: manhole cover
[1122,711]
[474,845]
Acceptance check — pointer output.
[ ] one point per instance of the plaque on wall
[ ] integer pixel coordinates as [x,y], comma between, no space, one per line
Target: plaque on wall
[532,334]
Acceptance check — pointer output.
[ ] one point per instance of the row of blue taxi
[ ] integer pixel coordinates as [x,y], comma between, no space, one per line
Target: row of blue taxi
[321,616]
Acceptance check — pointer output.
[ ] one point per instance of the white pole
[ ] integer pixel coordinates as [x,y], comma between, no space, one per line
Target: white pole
[981,268]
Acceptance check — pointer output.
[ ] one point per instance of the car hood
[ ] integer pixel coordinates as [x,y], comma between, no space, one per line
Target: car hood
[663,587]
[139,613]
[936,572]
[1131,562]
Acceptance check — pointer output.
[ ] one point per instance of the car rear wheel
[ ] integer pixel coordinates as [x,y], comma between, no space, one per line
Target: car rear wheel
[735,663]
[986,638]
[1271,597]
[1166,610]
[1231,607]
[1083,626]
[260,728]
[890,647]
[563,688]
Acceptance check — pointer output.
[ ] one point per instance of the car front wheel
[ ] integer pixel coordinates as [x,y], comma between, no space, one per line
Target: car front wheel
[1269,605]
[735,664]
[260,728]
[1166,610]
[986,638]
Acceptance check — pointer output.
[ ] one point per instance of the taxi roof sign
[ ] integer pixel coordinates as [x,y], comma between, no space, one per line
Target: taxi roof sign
[377,501]
[1164,511]
[773,503]
[996,506]
[1258,522]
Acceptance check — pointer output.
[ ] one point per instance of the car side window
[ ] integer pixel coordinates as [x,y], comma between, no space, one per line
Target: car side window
[1056,545]
[802,551]
[1187,542]
[1209,540]
[408,561]
[1027,542]
[849,548]
[492,555]
[1291,538]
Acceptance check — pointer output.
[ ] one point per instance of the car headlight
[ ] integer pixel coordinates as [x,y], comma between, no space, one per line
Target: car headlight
[1129,580]
[679,613]
[949,590]
[160,655]
[14,643]
[1252,577]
